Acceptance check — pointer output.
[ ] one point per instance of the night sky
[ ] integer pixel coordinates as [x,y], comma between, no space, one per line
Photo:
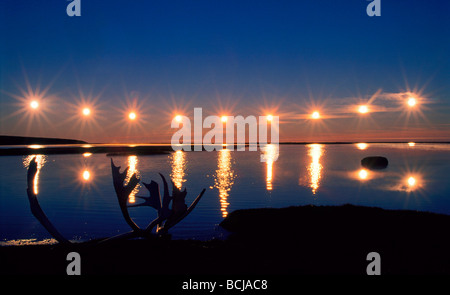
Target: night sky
[286,58]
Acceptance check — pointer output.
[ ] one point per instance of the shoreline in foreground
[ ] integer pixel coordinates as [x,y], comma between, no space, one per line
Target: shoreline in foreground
[292,240]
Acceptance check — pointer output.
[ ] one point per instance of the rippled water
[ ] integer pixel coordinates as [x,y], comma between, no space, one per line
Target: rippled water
[76,191]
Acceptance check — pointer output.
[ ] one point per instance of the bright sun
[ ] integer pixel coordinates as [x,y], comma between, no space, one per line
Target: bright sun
[363,109]
[132,116]
[315,115]
[34,104]
[86,111]
[412,101]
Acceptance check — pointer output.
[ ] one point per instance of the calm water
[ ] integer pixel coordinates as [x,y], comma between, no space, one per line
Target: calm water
[77,194]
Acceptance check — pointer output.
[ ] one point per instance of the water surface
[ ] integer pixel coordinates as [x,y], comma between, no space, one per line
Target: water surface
[76,191]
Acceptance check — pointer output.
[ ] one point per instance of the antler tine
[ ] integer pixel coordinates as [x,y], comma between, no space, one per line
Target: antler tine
[123,192]
[36,209]
[172,223]
[163,209]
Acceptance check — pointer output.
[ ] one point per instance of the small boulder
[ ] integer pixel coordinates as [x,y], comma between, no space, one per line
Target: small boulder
[375,162]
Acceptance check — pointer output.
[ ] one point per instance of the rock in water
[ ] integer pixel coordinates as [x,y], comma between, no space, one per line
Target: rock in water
[376,162]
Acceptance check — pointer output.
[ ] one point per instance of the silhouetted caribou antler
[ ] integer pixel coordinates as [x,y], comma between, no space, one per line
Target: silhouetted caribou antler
[123,192]
[167,217]
[36,209]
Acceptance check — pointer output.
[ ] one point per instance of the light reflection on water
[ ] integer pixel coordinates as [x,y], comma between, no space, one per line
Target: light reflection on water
[415,179]
[132,162]
[315,168]
[270,153]
[178,161]
[224,178]
[40,160]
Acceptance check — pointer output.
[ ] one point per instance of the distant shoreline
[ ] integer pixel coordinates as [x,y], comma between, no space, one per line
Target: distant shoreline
[26,140]
[18,145]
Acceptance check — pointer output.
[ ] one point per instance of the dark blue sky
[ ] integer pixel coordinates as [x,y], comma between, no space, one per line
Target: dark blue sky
[241,56]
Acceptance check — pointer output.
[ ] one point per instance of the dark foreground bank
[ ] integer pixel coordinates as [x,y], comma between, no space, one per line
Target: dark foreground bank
[294,240]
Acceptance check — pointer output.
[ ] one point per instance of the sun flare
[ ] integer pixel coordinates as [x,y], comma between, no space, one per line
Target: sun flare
[363,109]
[363,174]
[86,175]
[86,111]
[412,101]
[132,116]
[34,104]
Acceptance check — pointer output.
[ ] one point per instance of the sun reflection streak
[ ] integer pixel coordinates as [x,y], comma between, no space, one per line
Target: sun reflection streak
[269,175]
[363,174]
[409,181]
[86,175]
[224,179]
[270,154]
[315,167]
[40,160]
[412,182]
[178,161]
[132,164]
